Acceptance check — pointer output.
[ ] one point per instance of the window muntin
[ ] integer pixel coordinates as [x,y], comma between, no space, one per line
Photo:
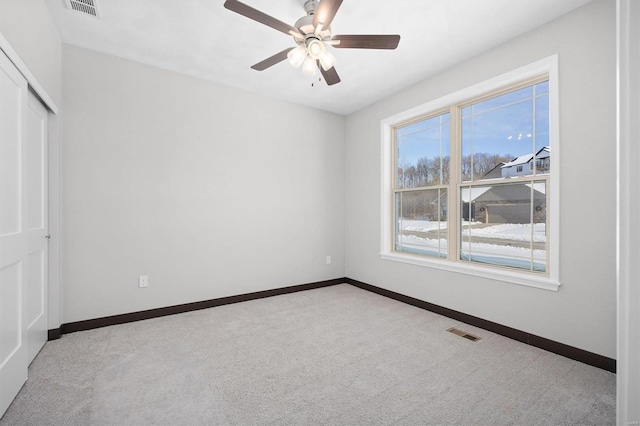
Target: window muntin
[503,138]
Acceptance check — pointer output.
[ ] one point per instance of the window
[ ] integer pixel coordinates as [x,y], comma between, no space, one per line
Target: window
[469,181]
[508,130]
[422,182]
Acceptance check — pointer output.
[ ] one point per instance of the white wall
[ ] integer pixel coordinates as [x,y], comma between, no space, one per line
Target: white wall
[211,191]
[583,312]
[28,27]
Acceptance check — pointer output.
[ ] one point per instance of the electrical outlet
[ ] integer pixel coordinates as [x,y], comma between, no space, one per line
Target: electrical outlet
[328,260]
[143,281]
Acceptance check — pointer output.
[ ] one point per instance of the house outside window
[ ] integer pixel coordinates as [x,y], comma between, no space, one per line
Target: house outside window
[473,187]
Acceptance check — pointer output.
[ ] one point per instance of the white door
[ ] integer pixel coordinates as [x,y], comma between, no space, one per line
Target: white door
[13,235]
[37,238]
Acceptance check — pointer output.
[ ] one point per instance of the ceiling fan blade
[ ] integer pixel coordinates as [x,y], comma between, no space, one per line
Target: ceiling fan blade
[278,57]
[258,16]
[367,41]
[331,76]
[325,12]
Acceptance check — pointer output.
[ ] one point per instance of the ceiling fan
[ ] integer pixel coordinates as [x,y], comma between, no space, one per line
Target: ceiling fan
[312,34]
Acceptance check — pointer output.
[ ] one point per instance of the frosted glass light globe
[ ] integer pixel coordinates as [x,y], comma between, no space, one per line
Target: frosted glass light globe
[309,66]
[315,48]
[296,56]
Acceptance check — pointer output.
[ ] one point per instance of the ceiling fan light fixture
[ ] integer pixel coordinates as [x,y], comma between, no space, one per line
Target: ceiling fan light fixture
[309,66]
[327,60]
[315,47]
[297,56]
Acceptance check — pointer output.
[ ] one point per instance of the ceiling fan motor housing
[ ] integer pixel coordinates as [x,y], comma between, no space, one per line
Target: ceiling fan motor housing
[310,7]
[305,25]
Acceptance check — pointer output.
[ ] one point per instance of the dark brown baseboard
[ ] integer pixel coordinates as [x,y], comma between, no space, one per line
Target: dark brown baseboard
[187,307]
[571,352]
[54,334]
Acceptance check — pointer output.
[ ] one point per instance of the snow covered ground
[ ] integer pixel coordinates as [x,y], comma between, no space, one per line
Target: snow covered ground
[483,251]
[510,231]
[502,231]
[421,225]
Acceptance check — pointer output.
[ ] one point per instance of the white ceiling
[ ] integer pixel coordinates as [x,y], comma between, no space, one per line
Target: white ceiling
[203,39]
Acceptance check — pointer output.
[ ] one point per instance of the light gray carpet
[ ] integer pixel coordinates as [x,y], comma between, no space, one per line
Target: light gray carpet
[337,355]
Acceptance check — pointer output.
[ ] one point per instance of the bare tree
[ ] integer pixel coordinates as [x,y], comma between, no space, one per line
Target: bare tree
[436,170]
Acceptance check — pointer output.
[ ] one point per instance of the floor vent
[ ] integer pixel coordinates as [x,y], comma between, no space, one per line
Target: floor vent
[464,334]
[88,7]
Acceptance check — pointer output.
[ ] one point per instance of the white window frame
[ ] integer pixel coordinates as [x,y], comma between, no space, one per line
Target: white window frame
[548,281]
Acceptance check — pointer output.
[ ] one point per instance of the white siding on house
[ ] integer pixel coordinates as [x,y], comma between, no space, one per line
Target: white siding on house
[523,165]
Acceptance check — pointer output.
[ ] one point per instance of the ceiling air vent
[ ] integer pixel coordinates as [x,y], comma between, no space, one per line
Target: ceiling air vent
[88,7]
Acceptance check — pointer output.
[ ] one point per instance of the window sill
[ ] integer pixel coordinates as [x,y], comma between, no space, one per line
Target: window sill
[519,278]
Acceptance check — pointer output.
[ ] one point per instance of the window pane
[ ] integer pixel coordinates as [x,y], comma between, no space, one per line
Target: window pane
[502,226]
[421,222]
[422,153]
[542,88]
[501,135]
